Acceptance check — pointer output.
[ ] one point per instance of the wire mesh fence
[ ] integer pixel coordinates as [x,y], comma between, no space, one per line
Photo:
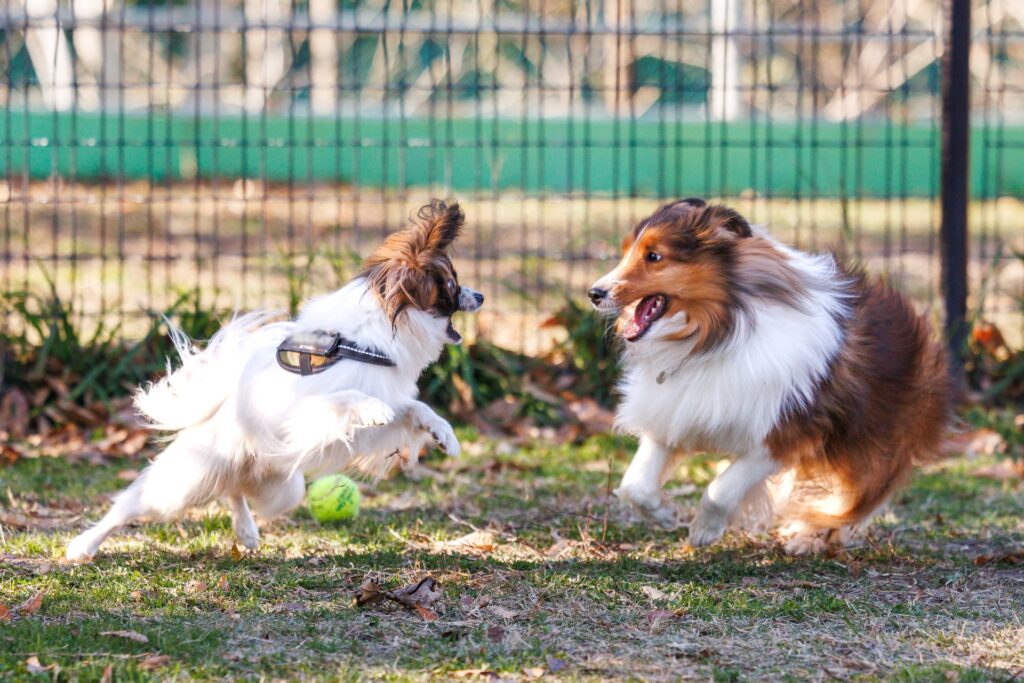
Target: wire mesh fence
[252,150]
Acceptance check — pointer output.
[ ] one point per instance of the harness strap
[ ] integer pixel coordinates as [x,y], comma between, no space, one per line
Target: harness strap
[312,351]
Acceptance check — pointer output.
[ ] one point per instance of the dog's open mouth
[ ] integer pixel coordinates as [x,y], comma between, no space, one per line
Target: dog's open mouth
[645,314]
[453,334]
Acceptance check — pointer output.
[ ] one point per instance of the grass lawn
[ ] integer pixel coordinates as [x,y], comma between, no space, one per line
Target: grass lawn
[557,583]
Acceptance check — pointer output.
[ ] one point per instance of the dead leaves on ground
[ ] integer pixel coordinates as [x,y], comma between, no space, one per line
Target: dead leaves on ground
[48,423]
[552,665]
[25,609]
[127,635]
[32,605]
[1013,558]
[474,543]
[153,662]
[417,597]
[34,666]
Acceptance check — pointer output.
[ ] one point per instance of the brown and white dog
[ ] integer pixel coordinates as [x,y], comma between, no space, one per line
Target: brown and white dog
[826,386]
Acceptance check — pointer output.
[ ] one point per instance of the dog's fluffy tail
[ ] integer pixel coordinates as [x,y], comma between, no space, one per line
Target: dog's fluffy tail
[192,393]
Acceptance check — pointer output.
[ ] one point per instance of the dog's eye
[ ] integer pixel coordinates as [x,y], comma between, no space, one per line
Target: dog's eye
[451,285]
[653,257]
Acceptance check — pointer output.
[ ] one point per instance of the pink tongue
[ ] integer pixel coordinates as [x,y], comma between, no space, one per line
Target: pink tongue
[631,330]
[638,323]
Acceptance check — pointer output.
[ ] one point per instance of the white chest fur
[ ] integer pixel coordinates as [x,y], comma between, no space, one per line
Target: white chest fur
[731,398]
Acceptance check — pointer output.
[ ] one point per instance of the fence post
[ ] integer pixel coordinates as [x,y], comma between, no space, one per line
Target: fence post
[956,103]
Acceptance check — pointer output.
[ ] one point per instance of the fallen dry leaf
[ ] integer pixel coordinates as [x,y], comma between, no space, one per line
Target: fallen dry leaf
[473,673]
[502,612]
[5,614]
[417,596]
[653,593]
[559,547]
[222,584]
[128,475]
[195,586]
[1004,470]
[534,672]
[475,543]
[658,616]
[8,454]
[236,552]
[17,520]
[154,662]
[128,635]
[425,592]
[289,607]
[1013,558]
[35,667]
[985,442]
[595,418]
[14,413]
[495,633]
[555,664]
[31,605]
[108,674]
[427,613]
[369,592]
[135,442]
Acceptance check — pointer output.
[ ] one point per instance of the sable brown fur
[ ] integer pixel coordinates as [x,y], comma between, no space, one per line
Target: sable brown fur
[882,409]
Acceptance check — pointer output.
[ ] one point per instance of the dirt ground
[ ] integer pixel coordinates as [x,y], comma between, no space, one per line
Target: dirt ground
[540,576]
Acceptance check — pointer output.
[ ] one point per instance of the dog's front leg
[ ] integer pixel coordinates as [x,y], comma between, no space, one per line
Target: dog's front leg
[642,483]
[425,419]
[727,492]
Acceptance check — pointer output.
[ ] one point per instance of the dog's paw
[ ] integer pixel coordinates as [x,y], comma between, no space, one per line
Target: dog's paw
[708,526]
[801,539]
[442,434]
[653,505]
[82,548]
[372,412]
[247,533]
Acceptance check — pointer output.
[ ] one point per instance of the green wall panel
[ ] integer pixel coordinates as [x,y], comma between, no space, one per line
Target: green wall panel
[815,159]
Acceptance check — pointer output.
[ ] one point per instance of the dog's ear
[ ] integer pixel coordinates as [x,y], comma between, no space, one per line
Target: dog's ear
[724,223]
[437,225]
[400,285]
[402,270]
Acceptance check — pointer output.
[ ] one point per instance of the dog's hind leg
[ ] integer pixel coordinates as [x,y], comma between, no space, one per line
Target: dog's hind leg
[181,477]
[275,497]
[726,495]
[243,524]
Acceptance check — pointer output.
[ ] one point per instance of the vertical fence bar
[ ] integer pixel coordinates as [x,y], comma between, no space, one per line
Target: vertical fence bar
[956,102]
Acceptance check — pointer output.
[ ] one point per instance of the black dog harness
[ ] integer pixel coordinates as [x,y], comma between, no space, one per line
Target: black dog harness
[313,351]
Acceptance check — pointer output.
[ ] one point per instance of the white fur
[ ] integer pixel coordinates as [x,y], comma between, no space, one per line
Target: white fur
[729,399]
[247,430]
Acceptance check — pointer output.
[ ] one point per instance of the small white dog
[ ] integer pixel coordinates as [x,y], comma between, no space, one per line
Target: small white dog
[247,429]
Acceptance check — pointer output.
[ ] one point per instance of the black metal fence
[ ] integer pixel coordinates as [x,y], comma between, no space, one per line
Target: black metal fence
[251,150]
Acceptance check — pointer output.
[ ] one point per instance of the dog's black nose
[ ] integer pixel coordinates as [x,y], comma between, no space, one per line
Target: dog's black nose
[597,295]
[479,297]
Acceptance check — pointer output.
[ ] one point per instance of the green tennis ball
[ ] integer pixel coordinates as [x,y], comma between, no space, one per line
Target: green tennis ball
[333,498]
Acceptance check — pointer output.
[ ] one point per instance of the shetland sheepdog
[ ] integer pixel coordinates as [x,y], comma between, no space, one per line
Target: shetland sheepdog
[246,430]
[825,385]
